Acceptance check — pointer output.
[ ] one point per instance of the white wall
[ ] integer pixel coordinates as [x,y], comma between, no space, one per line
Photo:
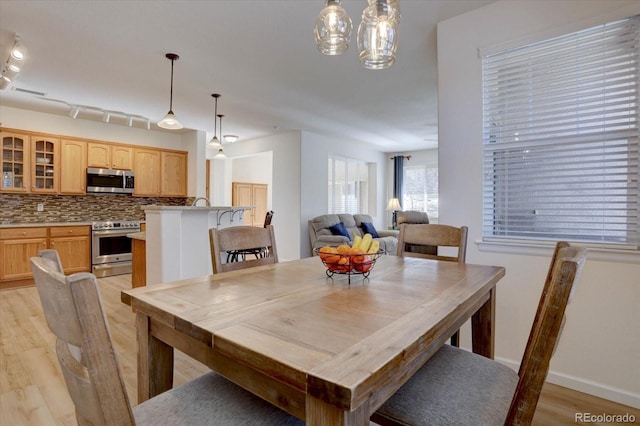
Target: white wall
[600,347]
[256,168]
[285,199]
[314,197]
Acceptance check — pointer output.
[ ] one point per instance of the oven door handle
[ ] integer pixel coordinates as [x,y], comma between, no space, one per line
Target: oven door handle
[115,233]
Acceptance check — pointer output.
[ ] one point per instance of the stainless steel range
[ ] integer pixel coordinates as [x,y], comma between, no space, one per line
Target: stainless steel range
[111,248]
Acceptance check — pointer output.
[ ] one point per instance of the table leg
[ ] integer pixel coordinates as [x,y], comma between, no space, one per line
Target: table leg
[155,361]
[318,412]
[483,324]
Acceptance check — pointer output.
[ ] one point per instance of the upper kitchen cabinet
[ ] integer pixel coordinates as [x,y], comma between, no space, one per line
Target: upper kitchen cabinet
[107,156]
[73,167]
[146,166]
[173,169]
[45,166]
[15,162]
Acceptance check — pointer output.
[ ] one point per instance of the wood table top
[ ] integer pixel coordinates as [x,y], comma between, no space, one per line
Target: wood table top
[326,337]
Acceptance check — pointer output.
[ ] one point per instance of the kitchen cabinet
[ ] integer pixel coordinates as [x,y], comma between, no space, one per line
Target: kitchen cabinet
[251,194]
[73,167]
[73,244]
[110,156]
[17,246]
[173,171]
[15,162]
[45,164]
[146,166]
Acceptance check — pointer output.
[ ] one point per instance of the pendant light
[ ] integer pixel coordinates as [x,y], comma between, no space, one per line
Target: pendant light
[215,142]
[170,121]
[378,35]
[333,29]
[220,153]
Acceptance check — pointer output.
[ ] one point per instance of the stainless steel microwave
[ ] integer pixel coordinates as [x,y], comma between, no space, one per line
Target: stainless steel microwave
[110,181]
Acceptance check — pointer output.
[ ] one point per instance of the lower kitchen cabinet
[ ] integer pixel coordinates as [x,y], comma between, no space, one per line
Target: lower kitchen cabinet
[73,244]
[18,245]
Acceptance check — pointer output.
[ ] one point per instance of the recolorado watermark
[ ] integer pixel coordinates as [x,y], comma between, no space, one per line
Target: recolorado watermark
[604,418]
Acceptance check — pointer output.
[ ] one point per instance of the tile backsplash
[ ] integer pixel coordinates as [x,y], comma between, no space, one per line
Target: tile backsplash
[22,208]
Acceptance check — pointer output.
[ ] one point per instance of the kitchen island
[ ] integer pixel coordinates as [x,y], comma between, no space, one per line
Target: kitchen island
[177,239]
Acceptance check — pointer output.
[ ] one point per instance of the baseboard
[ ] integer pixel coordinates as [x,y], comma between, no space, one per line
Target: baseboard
[586,386]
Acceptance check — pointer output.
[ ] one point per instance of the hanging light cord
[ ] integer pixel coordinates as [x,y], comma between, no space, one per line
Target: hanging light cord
[171,90]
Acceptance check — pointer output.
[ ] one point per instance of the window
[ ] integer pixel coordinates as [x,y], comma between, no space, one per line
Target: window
[420,189]
[560,138]
[348,185]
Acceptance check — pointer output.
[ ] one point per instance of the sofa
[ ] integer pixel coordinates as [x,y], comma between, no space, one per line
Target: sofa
[321,233]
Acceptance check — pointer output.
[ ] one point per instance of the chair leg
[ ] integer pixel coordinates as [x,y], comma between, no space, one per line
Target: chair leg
[455,339]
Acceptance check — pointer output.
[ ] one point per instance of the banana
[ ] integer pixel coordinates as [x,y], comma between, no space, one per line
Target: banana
[366,243]
[357,240]
[375,246]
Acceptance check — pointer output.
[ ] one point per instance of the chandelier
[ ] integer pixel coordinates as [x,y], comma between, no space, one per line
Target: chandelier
[377,34]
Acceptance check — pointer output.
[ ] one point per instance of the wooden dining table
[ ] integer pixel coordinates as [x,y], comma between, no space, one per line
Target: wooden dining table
[325,350]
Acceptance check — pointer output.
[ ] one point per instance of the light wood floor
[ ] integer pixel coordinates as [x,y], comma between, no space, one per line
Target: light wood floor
[32,390]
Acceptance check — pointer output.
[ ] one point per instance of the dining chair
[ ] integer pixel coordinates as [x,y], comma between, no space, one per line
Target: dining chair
[459,387]
[432,234]
[74,313]
[237,255]
[235,238]
[414,236]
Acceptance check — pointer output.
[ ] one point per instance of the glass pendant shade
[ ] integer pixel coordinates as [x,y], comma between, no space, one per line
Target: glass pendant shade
[214,142]
[220,154]
[333,29]
[378,35]
[170,121]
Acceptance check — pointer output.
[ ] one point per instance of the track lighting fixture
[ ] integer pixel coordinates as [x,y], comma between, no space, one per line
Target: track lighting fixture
[170,121]
[106,116]
[13,64]
[74,112]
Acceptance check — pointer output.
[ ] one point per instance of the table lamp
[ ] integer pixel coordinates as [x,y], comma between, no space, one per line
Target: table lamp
[394,205]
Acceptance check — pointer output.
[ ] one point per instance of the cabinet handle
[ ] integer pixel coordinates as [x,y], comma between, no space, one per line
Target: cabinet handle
[52,244]
[71,231]
[24,233]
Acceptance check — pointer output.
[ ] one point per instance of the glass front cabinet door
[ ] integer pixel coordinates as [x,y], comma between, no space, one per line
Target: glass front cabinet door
[15,162]
[45,166]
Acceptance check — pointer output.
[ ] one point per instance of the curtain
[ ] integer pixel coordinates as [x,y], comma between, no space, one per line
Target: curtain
[398,163]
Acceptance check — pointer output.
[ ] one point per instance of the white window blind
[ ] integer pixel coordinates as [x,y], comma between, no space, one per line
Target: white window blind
[348,186]
[560,137]
[420,189]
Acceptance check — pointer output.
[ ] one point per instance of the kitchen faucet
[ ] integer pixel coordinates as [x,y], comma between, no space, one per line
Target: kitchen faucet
[206,200]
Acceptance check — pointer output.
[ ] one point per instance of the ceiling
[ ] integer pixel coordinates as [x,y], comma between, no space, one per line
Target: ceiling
[259,55]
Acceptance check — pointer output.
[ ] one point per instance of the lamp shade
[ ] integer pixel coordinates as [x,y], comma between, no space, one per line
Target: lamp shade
[170,122]
[394,204]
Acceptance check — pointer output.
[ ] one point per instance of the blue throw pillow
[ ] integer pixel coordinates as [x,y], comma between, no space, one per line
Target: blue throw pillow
[368,228]
[340,229]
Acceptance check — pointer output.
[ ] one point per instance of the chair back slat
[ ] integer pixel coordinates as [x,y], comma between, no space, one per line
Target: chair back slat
[237,238]
[73,309]
[566,266]
[436,235]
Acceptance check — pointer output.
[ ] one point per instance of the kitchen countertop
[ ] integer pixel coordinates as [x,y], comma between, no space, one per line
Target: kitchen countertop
[43,224]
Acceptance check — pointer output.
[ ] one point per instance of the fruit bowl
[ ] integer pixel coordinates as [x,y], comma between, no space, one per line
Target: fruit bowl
[339,260]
